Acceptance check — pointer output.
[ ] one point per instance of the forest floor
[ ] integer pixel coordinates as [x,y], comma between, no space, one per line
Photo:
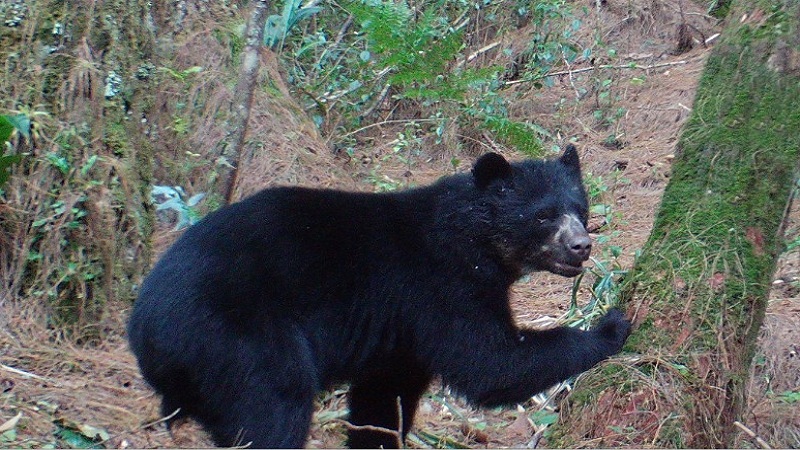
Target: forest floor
[65,392]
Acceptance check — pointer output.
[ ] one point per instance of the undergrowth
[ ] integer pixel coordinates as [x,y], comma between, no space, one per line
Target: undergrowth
[368,62]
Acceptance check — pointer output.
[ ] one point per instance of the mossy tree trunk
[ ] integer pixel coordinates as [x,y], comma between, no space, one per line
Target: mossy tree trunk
[698,293]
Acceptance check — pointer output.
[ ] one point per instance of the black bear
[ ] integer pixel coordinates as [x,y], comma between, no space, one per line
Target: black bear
[266,302]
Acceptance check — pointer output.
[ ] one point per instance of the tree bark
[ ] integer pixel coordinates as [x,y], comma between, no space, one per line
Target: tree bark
[698,293]
[233,145]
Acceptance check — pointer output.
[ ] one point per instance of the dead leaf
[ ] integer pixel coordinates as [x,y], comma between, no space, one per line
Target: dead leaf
[10,423]
[716,281]
[756,237]
[473,433]
[521,427]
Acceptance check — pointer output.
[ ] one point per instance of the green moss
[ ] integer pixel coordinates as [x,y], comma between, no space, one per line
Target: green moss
[737,158]
[232,39]
[706,269]
[56,69]
[145,217]
[115,138]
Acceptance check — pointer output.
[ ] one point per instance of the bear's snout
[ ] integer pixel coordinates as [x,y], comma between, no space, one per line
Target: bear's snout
[574,238]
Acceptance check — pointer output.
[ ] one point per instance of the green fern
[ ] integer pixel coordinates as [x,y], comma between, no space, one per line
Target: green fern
[423,52]
[520,135]
[418,50]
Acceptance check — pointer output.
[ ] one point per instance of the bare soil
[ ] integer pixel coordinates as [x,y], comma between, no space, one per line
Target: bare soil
[51,381]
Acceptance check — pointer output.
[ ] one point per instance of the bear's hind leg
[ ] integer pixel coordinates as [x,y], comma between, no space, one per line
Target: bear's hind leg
[373,401]
[261,390]
[274,417]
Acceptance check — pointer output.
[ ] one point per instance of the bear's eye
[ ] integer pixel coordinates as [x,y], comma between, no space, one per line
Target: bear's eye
[545,216]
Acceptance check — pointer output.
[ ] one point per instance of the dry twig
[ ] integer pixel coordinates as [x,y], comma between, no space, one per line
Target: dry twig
[602,66]
[752,435]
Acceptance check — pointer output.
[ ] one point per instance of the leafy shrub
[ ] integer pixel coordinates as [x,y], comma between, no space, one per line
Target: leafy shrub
[8,124]
[371,55]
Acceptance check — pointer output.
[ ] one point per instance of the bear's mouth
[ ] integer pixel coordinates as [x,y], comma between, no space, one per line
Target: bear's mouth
[565,269]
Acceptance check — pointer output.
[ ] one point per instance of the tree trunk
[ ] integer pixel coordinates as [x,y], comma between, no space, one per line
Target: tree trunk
[233,145]
[698,294]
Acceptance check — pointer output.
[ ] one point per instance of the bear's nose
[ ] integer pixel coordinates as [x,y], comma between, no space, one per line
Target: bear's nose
[574,239]
[581,246]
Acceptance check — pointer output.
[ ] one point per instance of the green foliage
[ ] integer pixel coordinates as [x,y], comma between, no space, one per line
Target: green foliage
[8,125]
[371,55]
[719,8]
[183,76]
[544,417]
[417,50]
[69,246]
[78,435]
[277,27]
[522,136]
[600,191]
[406,147]
[232,38]
[790,397]
[64,214]
[551,41]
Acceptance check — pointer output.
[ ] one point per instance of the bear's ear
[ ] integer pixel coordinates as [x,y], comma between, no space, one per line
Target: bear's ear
[570,158]
[490,167]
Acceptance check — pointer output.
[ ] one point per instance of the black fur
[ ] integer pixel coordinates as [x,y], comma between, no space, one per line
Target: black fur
[268,301]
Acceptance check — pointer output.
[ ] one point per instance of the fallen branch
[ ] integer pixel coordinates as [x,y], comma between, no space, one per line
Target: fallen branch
[602,66]
[351,426]
[752,435]
[479,52]
[386,122]
[25,374]
[398,433]
[158,421]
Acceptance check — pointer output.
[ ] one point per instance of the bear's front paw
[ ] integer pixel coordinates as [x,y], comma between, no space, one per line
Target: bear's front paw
[614,328]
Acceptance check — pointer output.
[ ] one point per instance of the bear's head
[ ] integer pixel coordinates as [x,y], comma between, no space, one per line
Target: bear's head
[537,212]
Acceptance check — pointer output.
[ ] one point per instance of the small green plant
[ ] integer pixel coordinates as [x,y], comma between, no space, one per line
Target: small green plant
[8,125]
[405,148]
[180,125]
[543,417]
[790,397]
[183,76]
[408,144]
[606,275]
[606,113]
[551,42]
[382,182]
[169,198]
[601,198]
[278,27]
